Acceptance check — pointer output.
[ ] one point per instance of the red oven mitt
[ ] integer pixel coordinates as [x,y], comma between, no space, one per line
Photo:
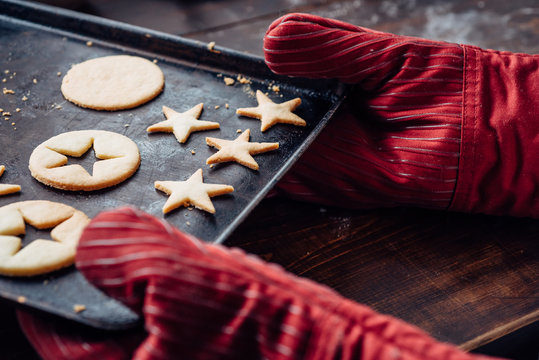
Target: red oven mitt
[203,301]
[429,124]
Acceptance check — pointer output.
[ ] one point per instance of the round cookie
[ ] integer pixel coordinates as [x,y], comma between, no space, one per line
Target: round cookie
[119,154]
[40,256]
[113,82]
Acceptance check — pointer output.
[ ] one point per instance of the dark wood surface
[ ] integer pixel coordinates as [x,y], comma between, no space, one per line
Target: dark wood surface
[467,279]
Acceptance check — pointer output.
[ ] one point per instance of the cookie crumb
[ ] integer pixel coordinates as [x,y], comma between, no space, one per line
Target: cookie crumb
[8,91]
[211,47]
[238,131]
[187,223]
[6,113]
[248,90]
[217,107]
[18,109]
[190,208]
[78,308]
[58,73]
[243,80]
[4,80]
[227,106]
[24,98]
[229,81]
[58,107]
[34,81]
[6,71]
[211,166]
[89,43]
[21,299]
[126,125]
[12,123]
[275,88]
[154,61]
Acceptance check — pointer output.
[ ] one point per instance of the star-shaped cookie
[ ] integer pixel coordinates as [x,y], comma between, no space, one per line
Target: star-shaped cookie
[238,150]
[7,188]
[270,113]
[193,191]
[183,124]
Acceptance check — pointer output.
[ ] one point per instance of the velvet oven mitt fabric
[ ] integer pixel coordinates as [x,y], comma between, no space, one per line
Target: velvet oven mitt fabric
[204,301]
[429,124]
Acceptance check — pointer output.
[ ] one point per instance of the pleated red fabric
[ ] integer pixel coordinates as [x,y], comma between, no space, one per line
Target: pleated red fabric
[202,301]
[499,164]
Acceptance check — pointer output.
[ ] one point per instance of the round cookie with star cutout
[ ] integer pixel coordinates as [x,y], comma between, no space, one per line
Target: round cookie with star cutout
[117,158]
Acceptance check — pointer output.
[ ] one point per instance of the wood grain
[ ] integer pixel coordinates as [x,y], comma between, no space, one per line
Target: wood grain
[465,279]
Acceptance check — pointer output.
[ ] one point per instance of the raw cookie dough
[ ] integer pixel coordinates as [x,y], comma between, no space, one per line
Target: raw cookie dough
[119,154]
[113,82]
[40,256]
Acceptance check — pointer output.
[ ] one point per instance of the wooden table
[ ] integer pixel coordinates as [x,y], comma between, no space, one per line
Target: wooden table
[467,279]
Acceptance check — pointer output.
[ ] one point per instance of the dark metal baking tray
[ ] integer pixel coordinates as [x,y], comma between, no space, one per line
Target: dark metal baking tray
[39,42]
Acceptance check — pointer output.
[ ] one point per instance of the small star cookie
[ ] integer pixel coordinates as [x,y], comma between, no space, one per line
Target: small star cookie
[193,191]
[7,188]
[238,150]
[183,124]
[270,113]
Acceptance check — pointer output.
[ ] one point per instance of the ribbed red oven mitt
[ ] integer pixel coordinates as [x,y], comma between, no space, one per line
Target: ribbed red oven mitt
[429,124]
[203,301]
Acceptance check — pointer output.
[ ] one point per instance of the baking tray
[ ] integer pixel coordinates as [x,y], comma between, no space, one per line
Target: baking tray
[40,43]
